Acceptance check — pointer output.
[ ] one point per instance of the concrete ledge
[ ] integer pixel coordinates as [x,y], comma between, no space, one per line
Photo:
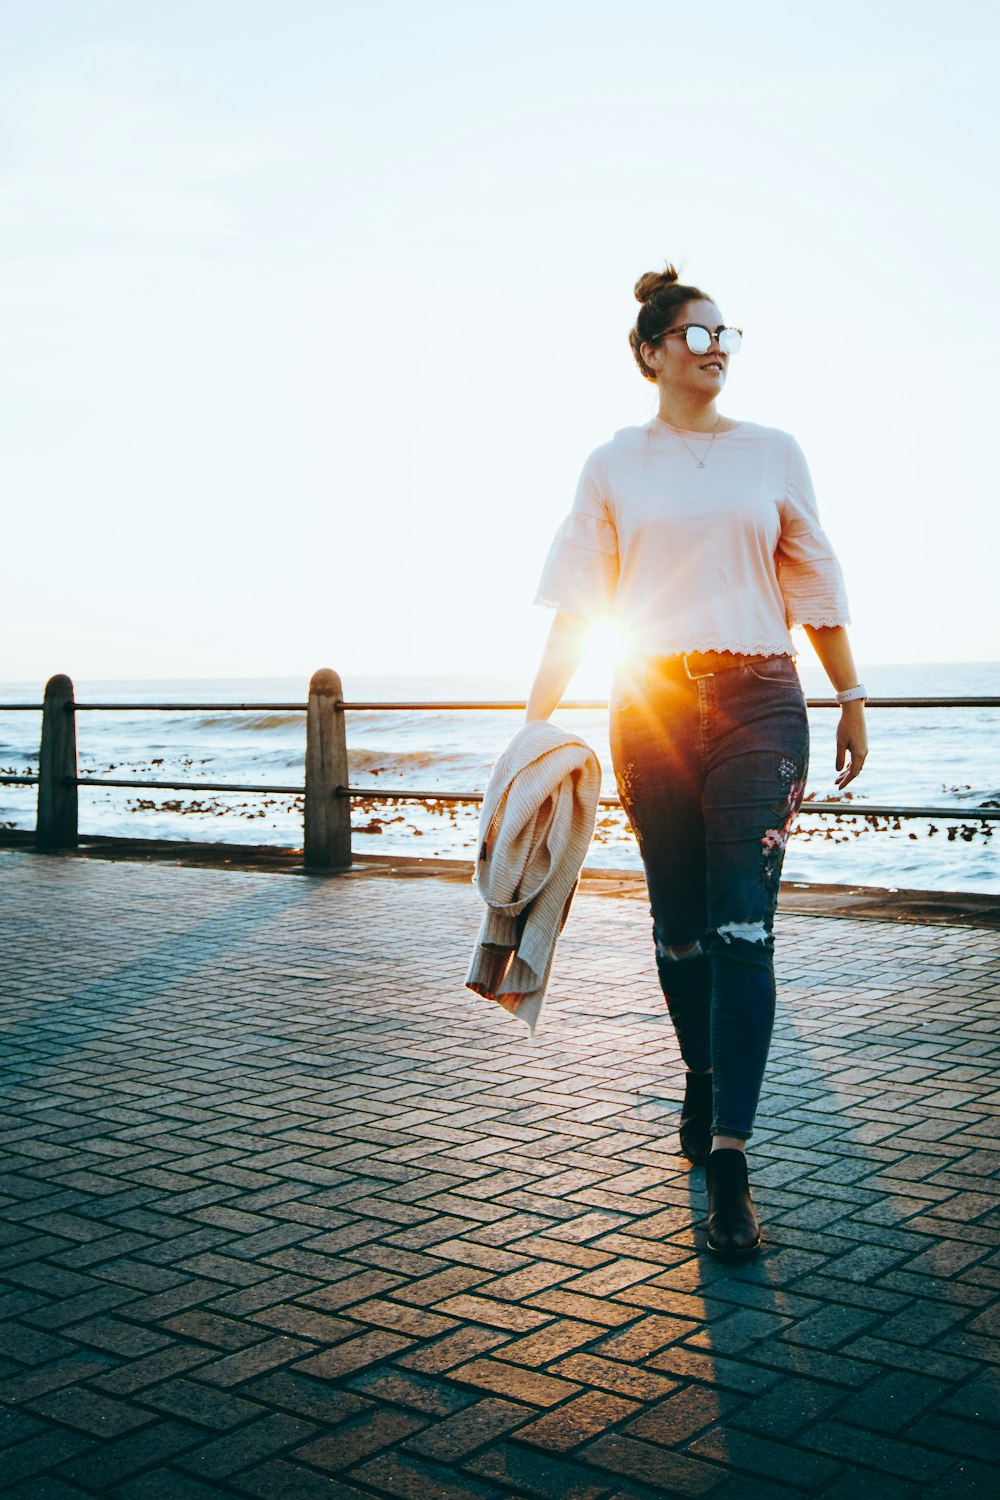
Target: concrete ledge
[875,903]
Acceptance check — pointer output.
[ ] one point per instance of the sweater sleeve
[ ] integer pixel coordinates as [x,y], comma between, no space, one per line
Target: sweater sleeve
[580,574]
[809,574]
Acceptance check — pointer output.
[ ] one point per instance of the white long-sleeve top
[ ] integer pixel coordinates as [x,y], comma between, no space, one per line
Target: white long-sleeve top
[721,558]
[535,827]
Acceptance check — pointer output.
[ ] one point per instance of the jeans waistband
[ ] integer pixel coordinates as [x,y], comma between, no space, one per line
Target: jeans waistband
[695,664]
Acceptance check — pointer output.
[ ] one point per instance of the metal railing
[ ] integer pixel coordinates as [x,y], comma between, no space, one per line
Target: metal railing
[327,791]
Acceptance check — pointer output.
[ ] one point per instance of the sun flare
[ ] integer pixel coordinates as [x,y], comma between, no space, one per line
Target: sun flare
[608,647]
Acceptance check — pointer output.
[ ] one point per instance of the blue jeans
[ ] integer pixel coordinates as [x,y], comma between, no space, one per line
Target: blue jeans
[711,773]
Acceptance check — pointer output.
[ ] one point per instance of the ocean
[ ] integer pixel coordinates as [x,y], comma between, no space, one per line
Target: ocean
[930,757]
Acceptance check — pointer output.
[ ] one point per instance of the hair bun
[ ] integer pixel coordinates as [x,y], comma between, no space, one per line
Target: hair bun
[652,282]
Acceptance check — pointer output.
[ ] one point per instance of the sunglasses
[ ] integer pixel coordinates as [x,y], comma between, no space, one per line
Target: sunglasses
[699,338]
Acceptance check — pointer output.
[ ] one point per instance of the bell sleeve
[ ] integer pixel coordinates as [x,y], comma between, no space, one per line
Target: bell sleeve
[580,574]
[809,575]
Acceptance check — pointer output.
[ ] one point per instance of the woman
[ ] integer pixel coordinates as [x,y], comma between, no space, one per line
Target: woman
[699,534]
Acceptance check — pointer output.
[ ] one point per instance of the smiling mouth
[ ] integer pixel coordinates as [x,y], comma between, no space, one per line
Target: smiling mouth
[713,364]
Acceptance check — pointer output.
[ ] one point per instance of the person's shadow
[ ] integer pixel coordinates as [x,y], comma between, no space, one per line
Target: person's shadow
[852,1354]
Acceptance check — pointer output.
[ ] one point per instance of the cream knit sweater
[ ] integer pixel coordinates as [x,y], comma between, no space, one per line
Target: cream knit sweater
[535,827]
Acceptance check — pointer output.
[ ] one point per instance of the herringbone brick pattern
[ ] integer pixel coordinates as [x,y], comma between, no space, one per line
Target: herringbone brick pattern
[289,1213]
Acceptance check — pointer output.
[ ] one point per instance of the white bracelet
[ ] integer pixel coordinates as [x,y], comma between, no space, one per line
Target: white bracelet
[851,695]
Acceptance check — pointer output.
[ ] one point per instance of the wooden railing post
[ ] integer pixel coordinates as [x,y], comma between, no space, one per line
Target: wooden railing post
[328,817]
[56,826]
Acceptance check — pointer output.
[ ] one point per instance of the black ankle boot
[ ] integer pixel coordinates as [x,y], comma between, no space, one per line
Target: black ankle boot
[732,1223]
[696,1118]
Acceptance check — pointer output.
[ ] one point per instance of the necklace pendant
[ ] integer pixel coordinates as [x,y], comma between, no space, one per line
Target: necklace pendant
[701,463]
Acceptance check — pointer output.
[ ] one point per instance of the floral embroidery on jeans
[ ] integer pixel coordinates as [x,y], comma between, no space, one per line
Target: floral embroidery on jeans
[777,838]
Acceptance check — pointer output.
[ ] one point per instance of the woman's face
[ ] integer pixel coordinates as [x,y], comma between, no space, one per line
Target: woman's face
[680,370]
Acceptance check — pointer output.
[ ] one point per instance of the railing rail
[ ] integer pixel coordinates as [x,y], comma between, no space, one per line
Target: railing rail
[430,704]
[327,791]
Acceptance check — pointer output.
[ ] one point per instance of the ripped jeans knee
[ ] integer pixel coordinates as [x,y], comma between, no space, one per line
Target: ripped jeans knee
[676,953]
[743,946]
[755,933]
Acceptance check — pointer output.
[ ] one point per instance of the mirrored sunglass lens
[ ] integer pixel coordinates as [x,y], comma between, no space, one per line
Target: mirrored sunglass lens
[730,340]
[699,340]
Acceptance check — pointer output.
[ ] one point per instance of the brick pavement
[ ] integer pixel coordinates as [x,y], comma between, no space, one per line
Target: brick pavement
[288,1213]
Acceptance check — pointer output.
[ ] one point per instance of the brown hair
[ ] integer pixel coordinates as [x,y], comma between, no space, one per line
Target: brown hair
[662,296]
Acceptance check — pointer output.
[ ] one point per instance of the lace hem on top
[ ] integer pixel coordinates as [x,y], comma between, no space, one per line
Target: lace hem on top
[821,617]
[737,648]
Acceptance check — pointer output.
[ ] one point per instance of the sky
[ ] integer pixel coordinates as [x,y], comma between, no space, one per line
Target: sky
[311,312]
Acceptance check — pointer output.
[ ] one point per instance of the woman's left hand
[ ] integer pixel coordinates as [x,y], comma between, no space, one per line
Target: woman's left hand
[852,741]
